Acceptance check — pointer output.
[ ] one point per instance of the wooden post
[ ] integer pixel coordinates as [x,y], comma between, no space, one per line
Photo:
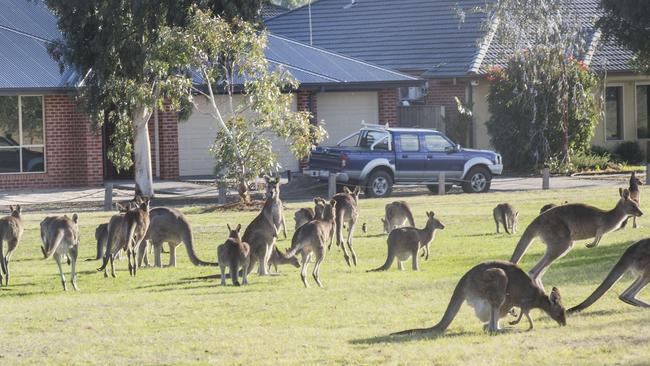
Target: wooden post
[546,175]
[441,183]
[331,185]
[288,175]
[223,191]
[108,197]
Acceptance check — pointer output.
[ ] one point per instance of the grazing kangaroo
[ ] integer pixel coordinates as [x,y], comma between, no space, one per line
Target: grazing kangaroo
[506,215]
[550,206]
[60,236]
[171,226]
[492,289]
[234,254]
[347,211]
[277,258]
[311,238]
[560,227]
[11,231]
[262,232]
[406,242]
[635,195]
[126,231]
[397,214]
[635,259]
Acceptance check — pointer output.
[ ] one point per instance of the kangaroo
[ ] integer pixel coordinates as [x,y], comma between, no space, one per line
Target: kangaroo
[311,238]
[550,206]
[347,211]
[60,236]
[277,211]
[506,215]
[277,258]
[262,232]
[101,232]
[635,195]
[635,259]
[126,231]
[561,226]
[234,253]
[11,231]
[406,242]
[397,214]
[303,216]
[492,289]
[171,226]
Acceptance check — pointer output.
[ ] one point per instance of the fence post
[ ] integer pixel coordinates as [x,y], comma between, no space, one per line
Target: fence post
[108,197]
[546,174]
[441,183]
[223,191]
[331,185]
[289,175]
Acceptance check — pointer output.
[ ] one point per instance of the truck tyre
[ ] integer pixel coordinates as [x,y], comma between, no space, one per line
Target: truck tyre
[478,180]
[379,185]
[433,188]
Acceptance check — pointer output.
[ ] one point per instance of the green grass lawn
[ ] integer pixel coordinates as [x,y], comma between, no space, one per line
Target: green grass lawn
[174,316]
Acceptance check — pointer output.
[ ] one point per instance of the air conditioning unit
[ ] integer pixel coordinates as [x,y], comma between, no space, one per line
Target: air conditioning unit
[412,93]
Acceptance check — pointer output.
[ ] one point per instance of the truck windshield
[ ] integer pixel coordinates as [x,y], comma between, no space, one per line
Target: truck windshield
[379,139]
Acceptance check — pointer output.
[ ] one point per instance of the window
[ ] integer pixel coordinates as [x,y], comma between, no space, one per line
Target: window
[642,105]
[437,143]
[22,145]
[409,142]
[614,112]
[370,137]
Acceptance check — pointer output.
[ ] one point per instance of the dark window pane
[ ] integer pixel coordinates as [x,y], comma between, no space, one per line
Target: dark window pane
[33,160]
[613,116]
[9,160]
[32,111]
[642,105]
[9,133]
[409,142]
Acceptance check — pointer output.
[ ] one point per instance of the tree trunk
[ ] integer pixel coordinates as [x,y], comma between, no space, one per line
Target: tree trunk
[142,152]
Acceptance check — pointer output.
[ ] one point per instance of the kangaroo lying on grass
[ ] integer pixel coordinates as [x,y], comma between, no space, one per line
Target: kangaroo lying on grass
[635,195]
[406,242]
[397,214]
[347,211]
[234,254]
[60,236]
[506,215]
[311,238]
[492,289]
[561,226]
[635,259]
[11,231]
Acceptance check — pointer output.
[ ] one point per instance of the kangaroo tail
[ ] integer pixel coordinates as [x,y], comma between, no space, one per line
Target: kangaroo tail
[524,242]
[614,275]
[387,264]
[452,309]
[409,217]
[109,243]
[188,239]
[506,224]
[55,244]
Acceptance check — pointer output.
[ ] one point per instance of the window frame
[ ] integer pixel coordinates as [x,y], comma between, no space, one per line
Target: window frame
[426,146]
[20,133]
[621,111]
[636,108]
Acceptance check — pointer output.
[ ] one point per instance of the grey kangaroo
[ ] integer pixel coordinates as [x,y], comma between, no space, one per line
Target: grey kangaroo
[635,195]
[561,226]
[550,206]
[262,232]
[310,240]
[101,232]
[506,215]
[60,236]
[347,211]
[635,259]
[303,216]
[11,231]
[277,258]
[397,214]
[406,242]
[277,211]
[492,289]
[234,253]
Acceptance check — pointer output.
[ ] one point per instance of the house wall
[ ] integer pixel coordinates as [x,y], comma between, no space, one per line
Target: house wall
[343,112]
[441,92]
[73,153]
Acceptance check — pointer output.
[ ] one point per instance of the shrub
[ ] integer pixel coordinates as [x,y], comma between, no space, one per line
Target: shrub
[630,152]
[458,126]
[590,161]
[600,150]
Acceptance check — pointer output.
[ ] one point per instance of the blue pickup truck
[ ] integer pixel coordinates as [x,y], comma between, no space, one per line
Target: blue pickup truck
[378,157]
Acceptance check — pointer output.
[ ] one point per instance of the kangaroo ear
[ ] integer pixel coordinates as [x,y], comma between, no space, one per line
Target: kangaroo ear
[625,194]
[347,190]
[357,190]
[238,227]
[75,218]
[18,209]
[516,213]
[317,200]
[11,208]
[555,296]
[620,192]
[332,203]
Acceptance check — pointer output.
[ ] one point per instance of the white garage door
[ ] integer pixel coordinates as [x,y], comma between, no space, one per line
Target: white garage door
[196,136]
[343,112]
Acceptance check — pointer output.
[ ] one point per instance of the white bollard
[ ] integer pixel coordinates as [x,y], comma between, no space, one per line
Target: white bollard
[546,176]
[331,187]
[108,197]
[441,183]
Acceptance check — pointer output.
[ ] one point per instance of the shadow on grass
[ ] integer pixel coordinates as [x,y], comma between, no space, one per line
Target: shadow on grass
[406,338]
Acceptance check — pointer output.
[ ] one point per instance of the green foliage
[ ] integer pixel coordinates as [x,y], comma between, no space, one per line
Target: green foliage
[628,23]
[458,126]
[600,150]
[630,152]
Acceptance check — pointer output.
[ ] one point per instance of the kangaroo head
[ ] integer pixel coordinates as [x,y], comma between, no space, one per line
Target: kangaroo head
[354,193]
[272,186]
[556,310]
[234,233]
[386,225]
[329,210]
[634,181]
[319,208]
[432,222]
[15,211]
[629,206]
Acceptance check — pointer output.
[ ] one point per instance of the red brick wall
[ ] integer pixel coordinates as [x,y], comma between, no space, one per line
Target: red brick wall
[388,106]
[442,93]
[168,129]
[303,100]
[73,152]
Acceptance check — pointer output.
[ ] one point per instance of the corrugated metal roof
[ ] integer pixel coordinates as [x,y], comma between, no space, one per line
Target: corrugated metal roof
[272,10]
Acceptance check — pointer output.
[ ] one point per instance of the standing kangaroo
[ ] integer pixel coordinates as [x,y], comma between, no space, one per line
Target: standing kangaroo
[635,195]
[171,226]
[277,212]
[60,236]
[397,214]
[311,239]
[347,211]
[234,253]
[635,259]
[11,231]
[406,242]
[506,215]
[560,227]
[262,232]
[101,232]
[492,289]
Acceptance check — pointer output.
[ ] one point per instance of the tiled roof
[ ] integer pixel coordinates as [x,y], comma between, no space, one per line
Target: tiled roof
[272,10]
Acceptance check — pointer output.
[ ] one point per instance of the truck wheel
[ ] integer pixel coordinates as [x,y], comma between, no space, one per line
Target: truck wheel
[433,188]
[379,185]
[478,180]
